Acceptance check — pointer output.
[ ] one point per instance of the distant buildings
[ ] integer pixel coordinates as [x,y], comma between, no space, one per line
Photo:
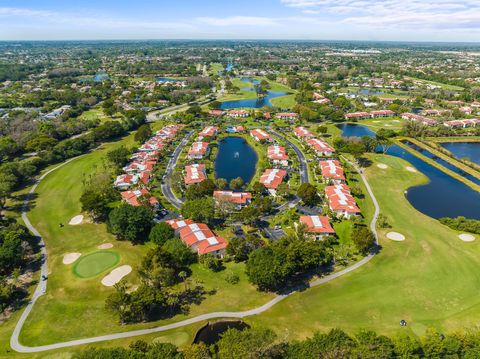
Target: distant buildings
[462,123]
[238,113]
[371,114]
[419,119]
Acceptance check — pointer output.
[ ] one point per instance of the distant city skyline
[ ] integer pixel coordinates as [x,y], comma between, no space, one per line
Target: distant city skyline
[370,20]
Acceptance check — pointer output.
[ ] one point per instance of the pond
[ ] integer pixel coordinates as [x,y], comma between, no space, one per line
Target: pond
[257,102]
[235,158]
[97,78]
[443,196]
[162,80]
[464,150]
[370,92]
[210,333]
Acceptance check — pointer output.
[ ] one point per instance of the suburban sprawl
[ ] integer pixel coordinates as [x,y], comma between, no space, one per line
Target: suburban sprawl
[239,199]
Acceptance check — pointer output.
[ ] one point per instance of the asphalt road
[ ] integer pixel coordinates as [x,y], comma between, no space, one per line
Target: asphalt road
[166,185]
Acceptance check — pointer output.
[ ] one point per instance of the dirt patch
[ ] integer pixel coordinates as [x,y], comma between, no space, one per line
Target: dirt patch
[382,166]
[75,221]
[411,169]
[69,258]
[467,237]
[116,275]
[395,236]
[105,246]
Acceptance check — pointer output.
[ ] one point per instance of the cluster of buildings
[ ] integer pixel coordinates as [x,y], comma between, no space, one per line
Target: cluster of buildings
[426,121]
[137,172]
[199,237]
[371,114]
[461,123]
[195,173]
[319,146]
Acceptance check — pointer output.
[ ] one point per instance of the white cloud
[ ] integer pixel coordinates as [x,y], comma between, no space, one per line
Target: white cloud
[239,20]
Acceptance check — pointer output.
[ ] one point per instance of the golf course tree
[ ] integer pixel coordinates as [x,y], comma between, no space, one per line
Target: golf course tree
[241,247]
[119,157]
[161,233]
[98,194]
[286,262]
[308,194]
[130,223]
[363,239]
[143,133]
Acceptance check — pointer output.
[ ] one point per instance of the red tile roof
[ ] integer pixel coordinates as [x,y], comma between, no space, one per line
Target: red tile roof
[195,173]
[132,197]
[260,134]
[271,178]
[317,224]
[320,146]
[277,152]
[198,149]
[179,223]
[332,169]
[208,131]
[341,199]
[202,238]
[303,132]
[234,197]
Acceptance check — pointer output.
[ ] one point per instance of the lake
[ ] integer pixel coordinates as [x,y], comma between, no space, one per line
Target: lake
[464,150]
[443,196]
[253,102]
[235,158]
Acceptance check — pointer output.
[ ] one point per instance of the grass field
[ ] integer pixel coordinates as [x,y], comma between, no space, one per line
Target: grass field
[93,264]
[284,101]
[431,279]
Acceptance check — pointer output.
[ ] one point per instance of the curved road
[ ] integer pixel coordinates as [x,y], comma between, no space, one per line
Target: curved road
[41,288]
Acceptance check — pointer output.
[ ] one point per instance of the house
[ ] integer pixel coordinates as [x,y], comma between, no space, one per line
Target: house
[127,180]
[462,123]
[57,112]
[320,147]
[198,150]
[134,197]
[145,156]
[319,226]
[155,144]
[466,110]
[272,178]
[176,224]
[195,174]
[318,98]
[419,119]
[277,155]
[433,112]
[260,135]
[357,115]
[239,199]
[216,113]
[382,113]
[238,113]
[303,133]
[341,201]
[208,132]
[139,166]
[290,116]
[235,129]
[332,172]
[199,238]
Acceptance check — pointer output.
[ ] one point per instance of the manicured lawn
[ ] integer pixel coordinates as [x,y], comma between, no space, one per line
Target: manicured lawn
[430,279]
[389,123]
[284,101]
[95,263]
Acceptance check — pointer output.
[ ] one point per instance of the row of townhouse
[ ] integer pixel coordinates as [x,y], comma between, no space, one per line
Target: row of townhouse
[317,226]
[473,122]
[199,237]
[137,173]
[320,147]
[260,135]
[272,178]
[341,201]
[371,114]
[289,116]
[238,199]
[419,119]
[196,173]
[277,155]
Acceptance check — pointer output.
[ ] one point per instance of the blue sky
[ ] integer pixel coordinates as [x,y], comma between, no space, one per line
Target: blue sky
[397,20]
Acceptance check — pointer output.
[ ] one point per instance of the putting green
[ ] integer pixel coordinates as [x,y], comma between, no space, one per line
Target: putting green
[93,264]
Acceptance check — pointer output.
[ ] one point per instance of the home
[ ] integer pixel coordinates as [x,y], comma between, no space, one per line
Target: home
[198,150]
[139,166]
[199,238]
[260,135]
[208,132]
[462,123]
[382,113]
[277,155]
[466,110]
[320,147]
[341,201]
[145,156]
[139,197]
[434,112]
[332,171]
[234,129]
[318,226]
[419,119]
[239,199]
[127,180]
[272,178]
[290,116]
[155,144]
[357,115]
[216,113]
[238,113]
[303,133]
[195,174]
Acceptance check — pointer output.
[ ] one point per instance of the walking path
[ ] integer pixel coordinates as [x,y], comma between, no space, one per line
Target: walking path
[41,288]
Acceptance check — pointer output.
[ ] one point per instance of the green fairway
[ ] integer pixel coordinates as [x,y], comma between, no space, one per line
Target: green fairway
[95,263]
[430,279]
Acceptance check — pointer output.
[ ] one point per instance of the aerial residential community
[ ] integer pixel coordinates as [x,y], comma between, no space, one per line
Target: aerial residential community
[240,188]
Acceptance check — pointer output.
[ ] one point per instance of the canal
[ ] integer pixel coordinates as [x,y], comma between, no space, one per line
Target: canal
[464,150]
[443,196]
[235,158]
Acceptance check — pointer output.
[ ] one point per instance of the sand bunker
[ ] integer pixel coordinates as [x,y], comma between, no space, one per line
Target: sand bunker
[76,220]
[382,166]
[395,120]
[395,236]
[116,275]
[69,258]
[387,125]
[411,169]
[466,237]
[105,246]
